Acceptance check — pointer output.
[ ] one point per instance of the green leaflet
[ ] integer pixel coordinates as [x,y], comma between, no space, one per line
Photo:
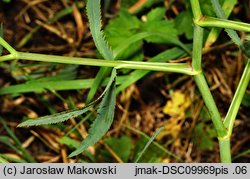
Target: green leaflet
[94,16]
[104,118]
[182,24]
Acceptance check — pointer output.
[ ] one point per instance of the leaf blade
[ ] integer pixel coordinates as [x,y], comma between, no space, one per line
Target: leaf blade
[104,119]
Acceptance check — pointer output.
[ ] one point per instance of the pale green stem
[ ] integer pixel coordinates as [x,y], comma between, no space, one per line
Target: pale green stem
[207,21]
[184,68]
[235,104]
[211,106]
[225,153]
[196,9]
[197,48]
[8,47]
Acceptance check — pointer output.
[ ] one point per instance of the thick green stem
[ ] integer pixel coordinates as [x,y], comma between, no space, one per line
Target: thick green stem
[225,153]
[207,21]
[202,84]
[184,68]
[210,103]
[197,48]
[196,9]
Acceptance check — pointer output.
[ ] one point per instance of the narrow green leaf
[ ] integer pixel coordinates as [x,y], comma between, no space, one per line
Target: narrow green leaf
[94,16]
[104,118]
[39,85]
[63,116]
[148,144]
[56,118]
[242,154]
[17,143]
[7,141]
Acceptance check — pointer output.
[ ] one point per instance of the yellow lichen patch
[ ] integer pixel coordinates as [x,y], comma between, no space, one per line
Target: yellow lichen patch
[175,108]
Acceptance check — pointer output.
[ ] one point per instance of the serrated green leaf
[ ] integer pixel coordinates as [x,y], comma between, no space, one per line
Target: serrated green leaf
[104,118]
[55,118]
[164,27]
[94,16]
[63,116]
[182,24]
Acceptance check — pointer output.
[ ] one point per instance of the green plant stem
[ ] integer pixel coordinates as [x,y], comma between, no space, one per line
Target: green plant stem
[8,47]
[207,21]
[211,106]
[235,104]
[196,9]
[225,153]
[184,68]
[197,48]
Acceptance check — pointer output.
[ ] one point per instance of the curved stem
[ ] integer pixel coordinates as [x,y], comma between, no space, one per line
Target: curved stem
[207,21]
